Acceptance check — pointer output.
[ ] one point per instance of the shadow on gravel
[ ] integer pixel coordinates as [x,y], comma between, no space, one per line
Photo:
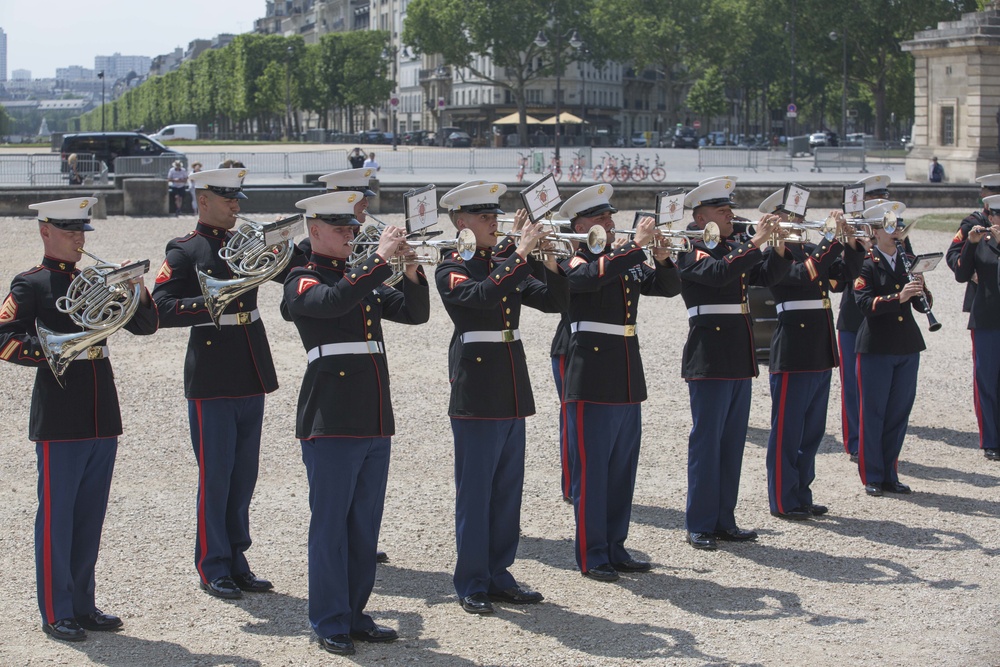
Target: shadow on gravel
[958,504]
[841,569]
[119,649]
[758,438]
[948,436]
[939,474]
[666,518]
[732,603]
[927,538]
[601,637]
[275,614]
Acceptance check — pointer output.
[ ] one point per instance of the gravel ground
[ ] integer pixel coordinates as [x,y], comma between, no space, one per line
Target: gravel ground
[900,580]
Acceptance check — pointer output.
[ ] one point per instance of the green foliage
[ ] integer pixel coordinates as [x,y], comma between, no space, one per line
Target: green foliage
[708,96]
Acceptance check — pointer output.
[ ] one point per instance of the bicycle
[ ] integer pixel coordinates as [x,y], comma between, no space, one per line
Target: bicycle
[555,168]
[658,173]
[625,170]
[640,171]
[608,171]
[576,170]
[522,164]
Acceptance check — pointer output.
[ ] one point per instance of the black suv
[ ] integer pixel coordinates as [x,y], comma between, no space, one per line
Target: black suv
[106,146]
[685,137]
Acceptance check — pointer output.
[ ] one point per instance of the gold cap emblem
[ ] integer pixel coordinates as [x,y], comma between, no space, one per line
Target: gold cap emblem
[243,172]
[368,172]
[351,198]
[729,184]
[494,188]
[600,190]
[84,203]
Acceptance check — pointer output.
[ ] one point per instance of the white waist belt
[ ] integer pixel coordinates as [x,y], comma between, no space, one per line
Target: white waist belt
[331,349]
[604,328]
[504,336]
[234,319]
[719,309]
[93,352]
[810,304]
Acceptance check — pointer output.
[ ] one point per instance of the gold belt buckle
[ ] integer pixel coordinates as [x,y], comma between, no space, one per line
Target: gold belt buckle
[507,336]
[94,353]
[826,304]
[629,329]
[745,308]
[242,318]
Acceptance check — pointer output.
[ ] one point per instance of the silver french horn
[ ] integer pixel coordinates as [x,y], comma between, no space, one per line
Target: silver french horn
[256,252]
[361,247]
[101,300]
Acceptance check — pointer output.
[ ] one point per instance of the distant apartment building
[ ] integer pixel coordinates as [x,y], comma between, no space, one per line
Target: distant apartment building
[118,66]
[75,73]
[20,75]
[3,55]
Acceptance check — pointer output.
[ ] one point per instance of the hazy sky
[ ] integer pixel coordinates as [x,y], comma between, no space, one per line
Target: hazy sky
[45,34]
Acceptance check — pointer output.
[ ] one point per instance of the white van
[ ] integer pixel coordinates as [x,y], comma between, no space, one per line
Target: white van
[173,132]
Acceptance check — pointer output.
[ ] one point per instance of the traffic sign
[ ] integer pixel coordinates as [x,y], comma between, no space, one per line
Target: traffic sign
[697,125]
[792,109]
[394,101]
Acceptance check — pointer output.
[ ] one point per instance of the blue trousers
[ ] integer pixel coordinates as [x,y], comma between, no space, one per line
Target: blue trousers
[849,404]
[558,370]
[986,366]
[798,422]
[605,440]
[74,480]
[347,479]
[489,478]
[225,433]
[720,411]
[888,387]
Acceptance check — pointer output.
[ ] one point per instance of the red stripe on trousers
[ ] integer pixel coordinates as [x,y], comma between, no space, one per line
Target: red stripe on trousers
[50,613]
[861,424]
[779,442]
[581,508]
[843,399]
[975,390]
[202,529]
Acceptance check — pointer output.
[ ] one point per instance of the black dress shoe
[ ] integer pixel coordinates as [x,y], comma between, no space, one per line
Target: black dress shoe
[896,487]
[251,583]
[339,644]
[517,595]
[67,630]
[704,541]
[817,510]
[873,489]
[602,573]
[381,557]
[98,621]
[633,565]
[797,514]
[992,454]
[379,633]
[223,587]
[477,603]
[854,458]
[736,535]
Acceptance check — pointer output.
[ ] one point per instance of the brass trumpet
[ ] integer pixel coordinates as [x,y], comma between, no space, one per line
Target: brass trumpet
[798,231]
[430,252]
[681,240]
[596,240]
[864,228]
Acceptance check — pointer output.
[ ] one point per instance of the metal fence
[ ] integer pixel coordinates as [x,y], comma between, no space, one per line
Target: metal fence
[728,156]
[850,158]
[46,169]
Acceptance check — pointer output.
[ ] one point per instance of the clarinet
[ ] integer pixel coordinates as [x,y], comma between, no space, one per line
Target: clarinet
[932,322]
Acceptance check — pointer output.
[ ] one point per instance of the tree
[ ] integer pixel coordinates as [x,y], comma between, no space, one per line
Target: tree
[708,96]
[494,41]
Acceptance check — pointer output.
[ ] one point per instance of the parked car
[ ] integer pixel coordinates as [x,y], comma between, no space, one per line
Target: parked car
[716,138]
[372,136]
[685,137]
[175,132]
[825,138]
[638,139]
[458,140]
[430,139]
[414,137]
[106,146]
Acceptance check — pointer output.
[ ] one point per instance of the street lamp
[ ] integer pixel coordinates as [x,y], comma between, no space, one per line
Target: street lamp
[288,93]
[100,75]
[542,41]
[843,95]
